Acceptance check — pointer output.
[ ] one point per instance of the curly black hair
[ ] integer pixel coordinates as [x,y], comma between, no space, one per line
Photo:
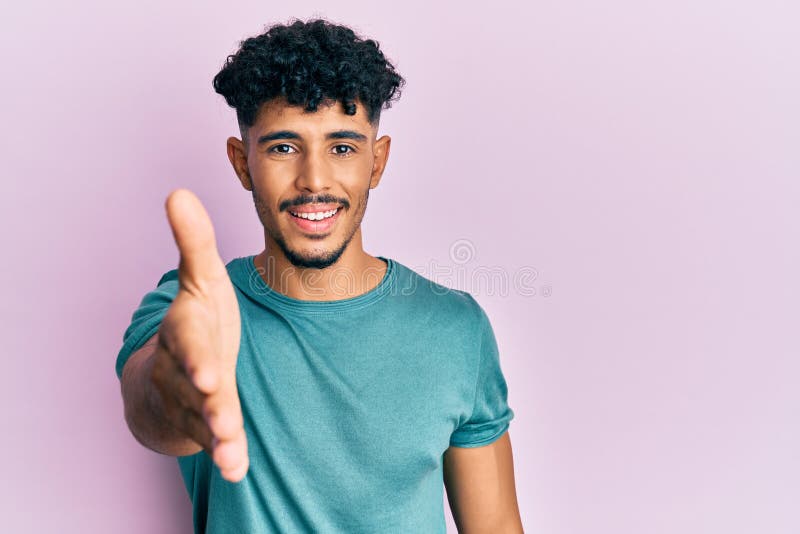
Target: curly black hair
[308,63]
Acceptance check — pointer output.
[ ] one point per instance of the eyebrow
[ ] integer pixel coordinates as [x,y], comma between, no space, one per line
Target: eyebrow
[288,134]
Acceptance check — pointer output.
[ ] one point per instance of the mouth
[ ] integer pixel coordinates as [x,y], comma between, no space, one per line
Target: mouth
[315,220]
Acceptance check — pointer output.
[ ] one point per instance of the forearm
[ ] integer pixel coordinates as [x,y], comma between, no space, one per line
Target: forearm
[144,410]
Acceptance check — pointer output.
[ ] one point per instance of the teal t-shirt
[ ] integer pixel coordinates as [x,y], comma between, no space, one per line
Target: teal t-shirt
[349,405]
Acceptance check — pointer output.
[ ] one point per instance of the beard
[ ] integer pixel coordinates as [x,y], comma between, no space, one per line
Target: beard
[308,260]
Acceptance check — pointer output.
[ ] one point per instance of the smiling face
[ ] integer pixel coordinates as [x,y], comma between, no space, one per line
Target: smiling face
[310,174]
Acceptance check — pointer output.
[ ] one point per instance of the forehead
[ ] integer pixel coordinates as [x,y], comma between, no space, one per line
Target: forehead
[330,115]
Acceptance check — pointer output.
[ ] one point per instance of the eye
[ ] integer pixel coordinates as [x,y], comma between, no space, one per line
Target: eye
[343,150]
[283,148]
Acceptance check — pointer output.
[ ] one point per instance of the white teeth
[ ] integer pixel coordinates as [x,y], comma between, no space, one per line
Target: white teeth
[317,216]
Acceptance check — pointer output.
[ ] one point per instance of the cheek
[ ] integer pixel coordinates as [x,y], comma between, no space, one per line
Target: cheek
[262,207]
[265,195]
[366,165]
[357,178]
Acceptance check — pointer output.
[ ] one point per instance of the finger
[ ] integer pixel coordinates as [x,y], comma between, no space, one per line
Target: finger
[231,456]
[194,425]
[224,415]
[194,235]
[186,392]
[237,474]
[188,421]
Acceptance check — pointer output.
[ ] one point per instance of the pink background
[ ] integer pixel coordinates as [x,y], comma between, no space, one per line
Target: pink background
[641,157]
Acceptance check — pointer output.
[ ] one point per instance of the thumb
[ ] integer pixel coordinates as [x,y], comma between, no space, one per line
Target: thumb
[194,236]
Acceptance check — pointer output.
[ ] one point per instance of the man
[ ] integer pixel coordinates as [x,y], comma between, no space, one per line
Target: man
[314,387]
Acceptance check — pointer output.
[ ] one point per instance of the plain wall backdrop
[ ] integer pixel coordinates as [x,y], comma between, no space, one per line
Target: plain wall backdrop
[638,160]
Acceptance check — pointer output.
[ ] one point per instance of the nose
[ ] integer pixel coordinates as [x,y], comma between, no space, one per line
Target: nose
[314,173]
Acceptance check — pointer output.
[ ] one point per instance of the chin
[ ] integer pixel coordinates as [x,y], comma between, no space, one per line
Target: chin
[313,259]
[313,251]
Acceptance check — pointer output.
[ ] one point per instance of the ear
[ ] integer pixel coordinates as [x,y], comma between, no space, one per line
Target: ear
[381,154]
[237,154]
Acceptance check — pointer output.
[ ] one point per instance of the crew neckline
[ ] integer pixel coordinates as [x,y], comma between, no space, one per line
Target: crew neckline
[249,280]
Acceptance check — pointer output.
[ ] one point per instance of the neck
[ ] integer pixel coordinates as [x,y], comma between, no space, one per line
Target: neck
[353,274]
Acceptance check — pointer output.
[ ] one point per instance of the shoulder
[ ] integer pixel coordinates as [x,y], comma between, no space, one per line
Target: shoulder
[420,290]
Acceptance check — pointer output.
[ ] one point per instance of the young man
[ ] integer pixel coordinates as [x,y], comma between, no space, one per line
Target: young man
[314,387]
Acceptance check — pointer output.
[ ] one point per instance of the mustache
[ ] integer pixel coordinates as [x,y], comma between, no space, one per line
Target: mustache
[319,199]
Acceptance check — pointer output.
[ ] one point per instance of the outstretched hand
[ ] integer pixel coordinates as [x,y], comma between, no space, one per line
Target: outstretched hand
[195,365]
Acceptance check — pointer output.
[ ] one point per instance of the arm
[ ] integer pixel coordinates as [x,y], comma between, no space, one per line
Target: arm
[144,409]
[480,488]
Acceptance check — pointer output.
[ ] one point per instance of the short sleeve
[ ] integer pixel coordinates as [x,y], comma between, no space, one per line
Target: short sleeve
[147,317]
[491,413]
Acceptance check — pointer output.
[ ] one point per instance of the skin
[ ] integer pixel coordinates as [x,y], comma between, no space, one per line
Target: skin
[288,170]
[480,488]
[179,388]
